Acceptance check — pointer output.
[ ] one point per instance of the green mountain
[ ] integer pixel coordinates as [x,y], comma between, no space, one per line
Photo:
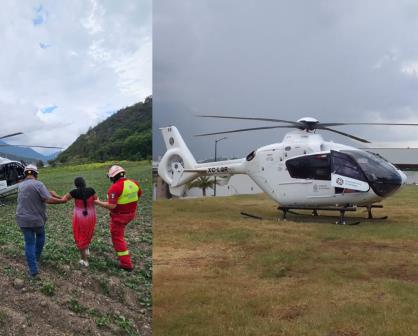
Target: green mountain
[126,135]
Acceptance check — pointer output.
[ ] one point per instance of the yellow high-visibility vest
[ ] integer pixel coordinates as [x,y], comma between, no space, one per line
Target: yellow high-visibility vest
[129,194]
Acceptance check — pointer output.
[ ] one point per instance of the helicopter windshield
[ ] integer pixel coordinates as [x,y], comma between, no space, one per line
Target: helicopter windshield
[379,173]
[345,165]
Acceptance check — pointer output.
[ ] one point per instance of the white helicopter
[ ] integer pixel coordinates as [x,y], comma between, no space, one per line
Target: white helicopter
[11,171]
[302,172]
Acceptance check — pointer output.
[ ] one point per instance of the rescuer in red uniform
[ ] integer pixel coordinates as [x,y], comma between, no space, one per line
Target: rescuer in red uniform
[122,201]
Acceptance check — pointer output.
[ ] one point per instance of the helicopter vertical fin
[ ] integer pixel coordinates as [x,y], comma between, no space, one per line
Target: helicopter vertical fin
[175,161]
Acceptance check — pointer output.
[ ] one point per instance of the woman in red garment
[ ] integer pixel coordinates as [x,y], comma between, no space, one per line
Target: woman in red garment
[84,217]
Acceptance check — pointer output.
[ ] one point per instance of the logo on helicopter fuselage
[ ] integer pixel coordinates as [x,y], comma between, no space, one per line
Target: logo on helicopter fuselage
[340,181]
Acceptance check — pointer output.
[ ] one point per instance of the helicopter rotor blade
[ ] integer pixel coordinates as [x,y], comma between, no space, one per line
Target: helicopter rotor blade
[245,130]
[26,146]
[10,135]
[295,123]
[373,124]
[302,124]
[344,134]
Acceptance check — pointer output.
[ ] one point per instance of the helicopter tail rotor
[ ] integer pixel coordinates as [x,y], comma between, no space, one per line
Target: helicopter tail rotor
[175,161]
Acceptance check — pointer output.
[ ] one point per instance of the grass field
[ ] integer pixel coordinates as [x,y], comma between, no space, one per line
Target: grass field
[216,273]
[68,300]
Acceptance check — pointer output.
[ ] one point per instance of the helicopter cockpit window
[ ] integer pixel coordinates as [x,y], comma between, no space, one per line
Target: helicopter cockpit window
[315,167]
[343,164]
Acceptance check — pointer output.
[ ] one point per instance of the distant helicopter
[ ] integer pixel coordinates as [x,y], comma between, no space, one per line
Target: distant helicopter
[11,172]
[302,172]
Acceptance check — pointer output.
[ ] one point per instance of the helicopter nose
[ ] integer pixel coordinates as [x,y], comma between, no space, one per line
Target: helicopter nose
[404,178]
[386,185]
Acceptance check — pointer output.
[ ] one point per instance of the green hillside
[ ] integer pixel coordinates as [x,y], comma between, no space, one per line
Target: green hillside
[126,135]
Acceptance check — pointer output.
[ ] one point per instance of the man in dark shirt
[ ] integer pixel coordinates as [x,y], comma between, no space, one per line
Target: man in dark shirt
[31,215]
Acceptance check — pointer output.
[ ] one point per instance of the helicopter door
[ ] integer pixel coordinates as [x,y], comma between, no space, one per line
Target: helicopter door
[346,173]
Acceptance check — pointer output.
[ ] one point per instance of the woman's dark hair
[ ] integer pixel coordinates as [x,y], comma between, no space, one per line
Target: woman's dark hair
[80,184]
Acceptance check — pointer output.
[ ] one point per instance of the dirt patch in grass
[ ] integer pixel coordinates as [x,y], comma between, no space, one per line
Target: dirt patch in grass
[403,272]
[363,246]
[344,332]
[291,312]
[197,258]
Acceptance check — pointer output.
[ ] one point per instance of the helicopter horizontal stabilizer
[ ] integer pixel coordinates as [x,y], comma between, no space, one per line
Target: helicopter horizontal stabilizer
[177,191]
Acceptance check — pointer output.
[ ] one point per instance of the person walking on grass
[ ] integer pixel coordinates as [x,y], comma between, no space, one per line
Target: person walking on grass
[123,196]
[31,215]
[84,217]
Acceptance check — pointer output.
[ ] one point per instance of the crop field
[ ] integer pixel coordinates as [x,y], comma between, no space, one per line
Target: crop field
[68,300]
[216,273]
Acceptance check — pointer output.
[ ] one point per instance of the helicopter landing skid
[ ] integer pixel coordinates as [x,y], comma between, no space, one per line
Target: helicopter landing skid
[246,214]
[369,211]
[342,220]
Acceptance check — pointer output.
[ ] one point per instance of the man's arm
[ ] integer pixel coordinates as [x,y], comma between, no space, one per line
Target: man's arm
[55,200]
[105,205]
[48,197]
[54,194]
[112,196]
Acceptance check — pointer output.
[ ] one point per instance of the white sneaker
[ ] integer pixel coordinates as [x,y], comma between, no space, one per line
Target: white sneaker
[83,263]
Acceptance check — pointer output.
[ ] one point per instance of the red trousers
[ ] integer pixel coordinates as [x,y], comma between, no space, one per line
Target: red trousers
[118,223]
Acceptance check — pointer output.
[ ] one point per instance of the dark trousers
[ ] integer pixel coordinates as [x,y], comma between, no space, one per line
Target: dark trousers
[34,244]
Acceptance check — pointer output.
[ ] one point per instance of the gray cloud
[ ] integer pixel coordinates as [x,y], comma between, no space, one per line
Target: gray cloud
[87,58]
[332,60]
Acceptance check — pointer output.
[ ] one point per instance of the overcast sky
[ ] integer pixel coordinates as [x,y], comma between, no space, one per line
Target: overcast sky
[337,61]
[66,65]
